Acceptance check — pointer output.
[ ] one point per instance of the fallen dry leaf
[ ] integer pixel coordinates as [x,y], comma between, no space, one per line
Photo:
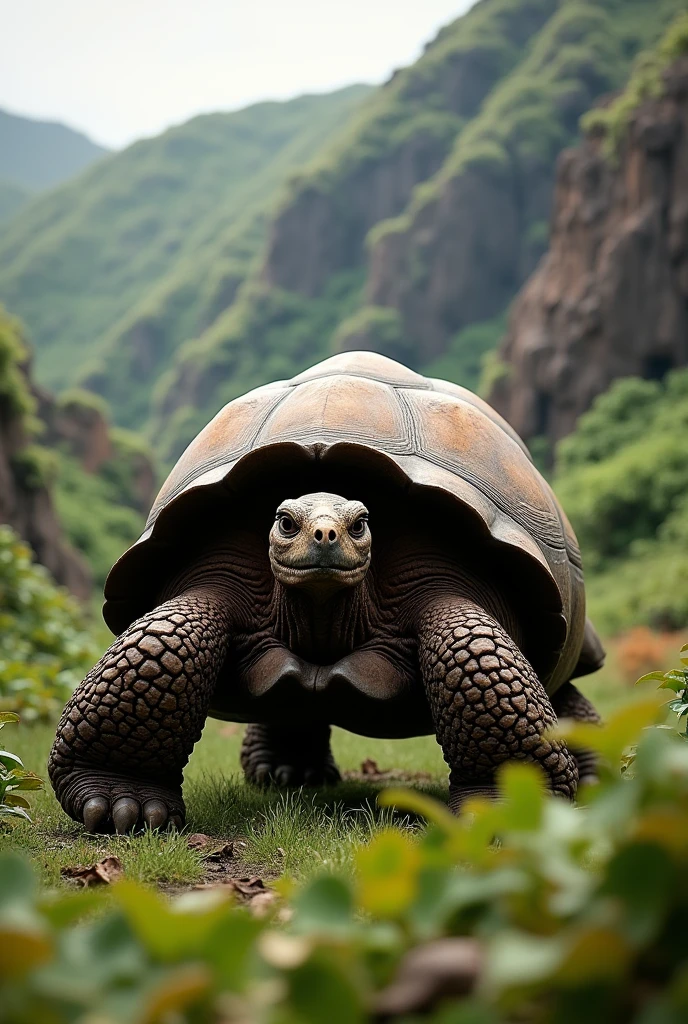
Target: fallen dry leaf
[198,841]
[251,891]
[103,872]
[224,853]
[370,771]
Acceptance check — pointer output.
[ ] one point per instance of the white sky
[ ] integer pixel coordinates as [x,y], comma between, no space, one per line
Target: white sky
[120,69]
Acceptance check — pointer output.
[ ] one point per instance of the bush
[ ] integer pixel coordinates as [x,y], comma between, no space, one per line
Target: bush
[577,913]
[45,649]
[622,477]
[14,780]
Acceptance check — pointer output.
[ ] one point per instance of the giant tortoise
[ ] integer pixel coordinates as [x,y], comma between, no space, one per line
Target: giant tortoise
[245,601]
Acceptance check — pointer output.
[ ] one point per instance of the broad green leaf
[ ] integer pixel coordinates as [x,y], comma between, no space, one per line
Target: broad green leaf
[171,931]
[522,787]
[324,905]
[64,909]
[621,730]
[20,779]
[642,877]
[15,800]
[594,954]
[7,716]
[10,760]
[175,992]
[322,992]
[17,882]
[388,873]
[517,959]
[675,681]
[651,677]
[22,949]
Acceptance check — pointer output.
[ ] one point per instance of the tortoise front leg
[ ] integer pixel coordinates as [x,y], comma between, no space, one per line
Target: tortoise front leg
[129,728]
[488,705]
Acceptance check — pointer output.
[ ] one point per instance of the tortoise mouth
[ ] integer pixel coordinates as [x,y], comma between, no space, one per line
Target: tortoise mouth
[319,567]
[319,574]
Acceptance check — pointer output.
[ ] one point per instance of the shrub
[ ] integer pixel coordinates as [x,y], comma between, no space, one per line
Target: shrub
[622,477]
[14,780]
[577,913]
[45,649]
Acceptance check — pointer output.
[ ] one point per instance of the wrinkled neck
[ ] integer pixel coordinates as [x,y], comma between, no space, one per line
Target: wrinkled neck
[322,627]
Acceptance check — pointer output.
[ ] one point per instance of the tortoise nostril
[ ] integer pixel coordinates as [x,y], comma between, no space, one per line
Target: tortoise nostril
[332,535]
[318,535]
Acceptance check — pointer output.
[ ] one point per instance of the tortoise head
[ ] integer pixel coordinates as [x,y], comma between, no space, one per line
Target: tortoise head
[320,542]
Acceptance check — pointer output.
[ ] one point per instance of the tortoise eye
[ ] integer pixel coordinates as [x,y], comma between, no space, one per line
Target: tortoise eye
[357,529]
[287,526]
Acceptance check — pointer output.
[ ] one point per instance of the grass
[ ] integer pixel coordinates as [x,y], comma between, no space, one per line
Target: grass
[295,832]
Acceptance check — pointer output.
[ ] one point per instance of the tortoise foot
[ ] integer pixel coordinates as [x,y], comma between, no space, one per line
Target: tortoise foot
[106,802]
[272,755]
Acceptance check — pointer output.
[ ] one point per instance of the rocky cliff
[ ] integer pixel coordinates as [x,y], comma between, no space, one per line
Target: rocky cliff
[25,498]
[74,487]
[610,298]
[423,219]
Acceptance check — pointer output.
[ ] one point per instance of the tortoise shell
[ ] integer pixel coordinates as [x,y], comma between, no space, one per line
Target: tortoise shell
[428,436]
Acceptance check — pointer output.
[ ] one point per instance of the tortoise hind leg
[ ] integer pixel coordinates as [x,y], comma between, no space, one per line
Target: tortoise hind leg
[487,704]
[288,756]
[569,702]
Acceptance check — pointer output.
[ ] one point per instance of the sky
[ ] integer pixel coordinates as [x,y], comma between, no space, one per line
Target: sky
[122,69]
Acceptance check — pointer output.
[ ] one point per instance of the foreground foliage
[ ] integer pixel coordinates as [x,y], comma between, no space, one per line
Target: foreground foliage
[42,630]
[576,913]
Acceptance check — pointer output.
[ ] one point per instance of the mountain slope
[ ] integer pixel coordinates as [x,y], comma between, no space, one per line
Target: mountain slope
[115,269]
[611,296]
[428,213]
[12,198]
[41,154]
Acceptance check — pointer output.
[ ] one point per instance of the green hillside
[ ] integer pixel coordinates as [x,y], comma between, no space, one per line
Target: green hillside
[12,198]
[485,110]
[623,478]
[41,154]
[114,270]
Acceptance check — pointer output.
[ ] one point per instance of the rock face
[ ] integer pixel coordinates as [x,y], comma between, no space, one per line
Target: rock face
[372,175]
[610,298]
[26,505]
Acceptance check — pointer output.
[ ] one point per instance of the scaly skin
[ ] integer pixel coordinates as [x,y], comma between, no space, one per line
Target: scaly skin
[487,704]
[288,756]
[569,702]
[127,731]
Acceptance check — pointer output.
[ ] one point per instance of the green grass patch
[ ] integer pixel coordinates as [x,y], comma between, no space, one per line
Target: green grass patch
[297,832]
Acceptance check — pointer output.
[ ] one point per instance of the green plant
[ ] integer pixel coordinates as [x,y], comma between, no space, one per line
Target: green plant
[676,679]
[622,477]
[14,780]
[46,648]
[576,913]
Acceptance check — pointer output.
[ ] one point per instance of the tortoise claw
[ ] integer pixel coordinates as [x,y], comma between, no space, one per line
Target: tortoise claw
[125,814]
[96,812]
[154,814]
